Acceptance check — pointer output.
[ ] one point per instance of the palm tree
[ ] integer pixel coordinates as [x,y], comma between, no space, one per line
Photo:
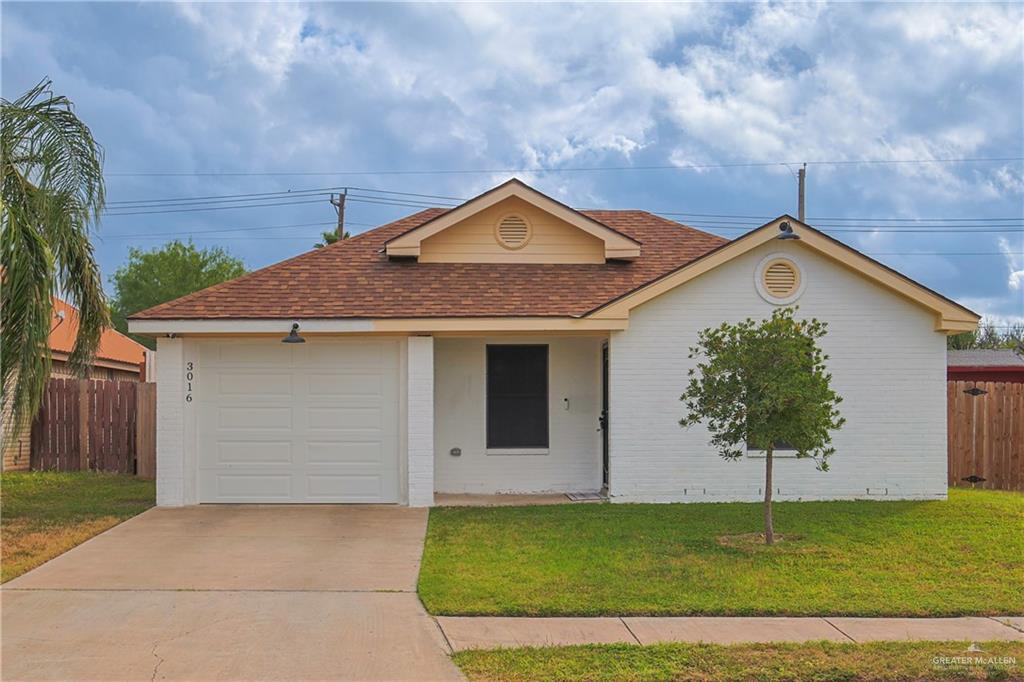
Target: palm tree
[51,194]
[329,238]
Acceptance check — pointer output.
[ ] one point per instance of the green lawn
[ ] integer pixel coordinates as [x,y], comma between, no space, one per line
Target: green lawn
[961,556]
[43,514]
[815,661]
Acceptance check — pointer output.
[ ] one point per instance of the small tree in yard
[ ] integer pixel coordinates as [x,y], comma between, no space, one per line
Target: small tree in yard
[760,384]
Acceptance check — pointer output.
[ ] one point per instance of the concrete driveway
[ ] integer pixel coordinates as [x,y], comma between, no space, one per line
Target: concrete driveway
[231,593]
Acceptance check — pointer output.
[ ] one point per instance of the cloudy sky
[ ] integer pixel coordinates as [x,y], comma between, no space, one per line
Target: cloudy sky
[694,111]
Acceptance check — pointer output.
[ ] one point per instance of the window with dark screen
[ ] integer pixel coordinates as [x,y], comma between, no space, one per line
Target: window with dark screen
[517,396]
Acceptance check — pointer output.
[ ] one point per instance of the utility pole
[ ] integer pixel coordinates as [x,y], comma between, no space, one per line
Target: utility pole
[339,205]
[801,176]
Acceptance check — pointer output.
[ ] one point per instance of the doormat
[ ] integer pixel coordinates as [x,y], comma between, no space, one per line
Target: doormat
[584,497]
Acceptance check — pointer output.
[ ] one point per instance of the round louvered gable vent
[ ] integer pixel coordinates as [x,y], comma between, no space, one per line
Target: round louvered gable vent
[778,279]
[781,279]
[513,231]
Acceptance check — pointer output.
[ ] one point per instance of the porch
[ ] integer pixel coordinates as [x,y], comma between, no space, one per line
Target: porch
[518,416]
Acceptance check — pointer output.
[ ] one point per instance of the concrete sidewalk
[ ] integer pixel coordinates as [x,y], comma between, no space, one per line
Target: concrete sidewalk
[488,633]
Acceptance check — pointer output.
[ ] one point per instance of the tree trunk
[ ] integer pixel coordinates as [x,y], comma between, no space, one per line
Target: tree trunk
[769,528]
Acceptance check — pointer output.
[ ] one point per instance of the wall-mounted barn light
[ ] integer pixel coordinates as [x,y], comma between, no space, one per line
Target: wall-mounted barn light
[786,231]
[293,335]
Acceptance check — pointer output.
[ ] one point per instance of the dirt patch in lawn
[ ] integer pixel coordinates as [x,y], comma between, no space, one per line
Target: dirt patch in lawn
[27,544]
[753,542]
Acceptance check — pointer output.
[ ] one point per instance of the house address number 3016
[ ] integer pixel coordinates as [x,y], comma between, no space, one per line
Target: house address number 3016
[190,374]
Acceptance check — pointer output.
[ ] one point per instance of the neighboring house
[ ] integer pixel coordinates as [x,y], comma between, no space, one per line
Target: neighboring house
[985,365]
[513,344]
[118,357]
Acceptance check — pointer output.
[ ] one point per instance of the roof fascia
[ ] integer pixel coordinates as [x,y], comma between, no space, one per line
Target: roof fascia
[424,325]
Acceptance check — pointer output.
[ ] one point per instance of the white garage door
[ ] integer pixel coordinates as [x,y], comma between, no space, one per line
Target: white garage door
[312,422]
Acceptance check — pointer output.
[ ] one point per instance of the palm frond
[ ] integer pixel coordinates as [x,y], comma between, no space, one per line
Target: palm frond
[51,196]
[27,309]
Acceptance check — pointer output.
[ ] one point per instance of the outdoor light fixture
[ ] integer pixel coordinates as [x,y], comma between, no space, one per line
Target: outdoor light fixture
[787,231]
[293,335]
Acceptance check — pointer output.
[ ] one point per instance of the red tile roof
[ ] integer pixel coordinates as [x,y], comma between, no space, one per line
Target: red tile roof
[354,279]
[113,346]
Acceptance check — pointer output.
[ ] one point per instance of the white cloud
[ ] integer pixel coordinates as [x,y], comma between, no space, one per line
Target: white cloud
[326,86]
[1015,264]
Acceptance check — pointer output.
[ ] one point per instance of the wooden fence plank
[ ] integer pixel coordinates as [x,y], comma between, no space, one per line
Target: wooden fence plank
[986,434]
[85,424]
[146,431]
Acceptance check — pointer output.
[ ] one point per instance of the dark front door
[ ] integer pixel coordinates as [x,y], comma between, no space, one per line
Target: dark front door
[604,414]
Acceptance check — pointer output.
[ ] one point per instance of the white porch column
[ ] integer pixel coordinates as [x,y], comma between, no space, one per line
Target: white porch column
[170,422]
[420,427]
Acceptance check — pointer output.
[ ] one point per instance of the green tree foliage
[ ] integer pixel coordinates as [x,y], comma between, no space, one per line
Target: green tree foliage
[988,336]
[51,196]
[163,274]
[329,238]
[760,384]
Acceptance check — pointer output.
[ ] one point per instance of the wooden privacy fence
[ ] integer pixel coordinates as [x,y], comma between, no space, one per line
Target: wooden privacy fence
[100,425]
[986,434]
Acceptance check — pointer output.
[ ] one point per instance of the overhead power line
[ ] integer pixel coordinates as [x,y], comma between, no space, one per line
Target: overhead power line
[251,195]
[1000,230]
[224,230]
[563,169]
[391,198]
[284,193]
[748,224]
[211,208]
[154,210]
[845,218]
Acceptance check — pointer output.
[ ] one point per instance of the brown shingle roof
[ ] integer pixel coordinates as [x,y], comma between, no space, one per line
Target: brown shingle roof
[354,279]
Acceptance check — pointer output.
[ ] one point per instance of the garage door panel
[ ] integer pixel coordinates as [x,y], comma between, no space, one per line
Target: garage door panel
[256,452]
[368,488]
[255,354]
[255,385]
[346,418]
[229,487]
[278,427]
[344,452]
[255,418]
[346,385]
[367,355]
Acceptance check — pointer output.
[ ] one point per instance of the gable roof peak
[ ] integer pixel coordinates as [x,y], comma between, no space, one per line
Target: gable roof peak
[618,246]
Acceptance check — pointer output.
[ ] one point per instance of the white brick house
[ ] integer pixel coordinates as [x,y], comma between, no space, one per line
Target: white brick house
[513,344]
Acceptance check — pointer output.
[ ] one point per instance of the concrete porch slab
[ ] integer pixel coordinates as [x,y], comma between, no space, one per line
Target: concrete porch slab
[503,500]
[489,633]
[166,635]
[974,629]
[732,630]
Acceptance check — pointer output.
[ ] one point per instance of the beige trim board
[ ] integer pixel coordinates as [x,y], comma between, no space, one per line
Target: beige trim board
[247,326]
[499,324]
[425,325]
[617,245]
[951,317]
